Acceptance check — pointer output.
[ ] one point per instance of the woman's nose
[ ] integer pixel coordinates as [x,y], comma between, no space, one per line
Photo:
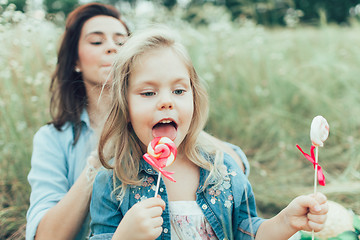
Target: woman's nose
[111,47]
[111,50]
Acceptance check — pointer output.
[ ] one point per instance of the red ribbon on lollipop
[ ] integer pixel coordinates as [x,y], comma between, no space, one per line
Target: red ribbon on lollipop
[319,132]
[320,174]
[161,152]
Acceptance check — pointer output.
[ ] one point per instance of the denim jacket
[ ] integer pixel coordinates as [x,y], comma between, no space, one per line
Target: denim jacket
[225,206]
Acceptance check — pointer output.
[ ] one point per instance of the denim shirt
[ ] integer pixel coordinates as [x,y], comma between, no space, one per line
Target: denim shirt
[56,163]
[225,206]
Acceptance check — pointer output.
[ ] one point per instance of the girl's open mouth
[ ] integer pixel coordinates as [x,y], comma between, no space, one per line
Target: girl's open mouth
[165,128]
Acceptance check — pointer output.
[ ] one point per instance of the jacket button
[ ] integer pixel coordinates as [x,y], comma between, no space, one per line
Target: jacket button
[166,230]
[161,189]
[204,206]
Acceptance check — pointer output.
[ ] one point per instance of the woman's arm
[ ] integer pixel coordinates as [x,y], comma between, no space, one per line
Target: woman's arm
[64,220]
[57,211]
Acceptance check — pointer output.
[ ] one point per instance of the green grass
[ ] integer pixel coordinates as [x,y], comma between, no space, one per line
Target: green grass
[265,87]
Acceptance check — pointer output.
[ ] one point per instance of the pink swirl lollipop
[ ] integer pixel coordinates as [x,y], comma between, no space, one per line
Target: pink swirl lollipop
[161,152]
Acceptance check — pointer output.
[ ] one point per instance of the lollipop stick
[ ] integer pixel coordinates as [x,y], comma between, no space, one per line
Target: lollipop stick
[157,185]
[315,180]
[316,168]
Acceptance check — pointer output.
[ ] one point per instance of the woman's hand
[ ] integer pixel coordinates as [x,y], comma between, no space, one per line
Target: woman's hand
[143,221]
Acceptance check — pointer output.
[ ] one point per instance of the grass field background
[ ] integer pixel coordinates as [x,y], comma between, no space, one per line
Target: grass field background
[265,87]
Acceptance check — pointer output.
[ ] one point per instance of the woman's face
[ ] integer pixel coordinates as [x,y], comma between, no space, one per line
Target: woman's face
[100,38]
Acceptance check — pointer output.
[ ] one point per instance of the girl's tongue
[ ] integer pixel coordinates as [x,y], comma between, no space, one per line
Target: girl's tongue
[164,130]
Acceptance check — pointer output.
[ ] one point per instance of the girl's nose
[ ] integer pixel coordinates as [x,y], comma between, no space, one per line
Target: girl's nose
[168,105]
[165,103]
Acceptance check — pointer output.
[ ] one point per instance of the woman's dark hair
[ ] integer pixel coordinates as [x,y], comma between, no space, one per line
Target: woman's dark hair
[68,94]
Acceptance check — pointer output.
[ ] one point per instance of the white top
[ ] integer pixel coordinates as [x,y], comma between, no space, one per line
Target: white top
[189,222]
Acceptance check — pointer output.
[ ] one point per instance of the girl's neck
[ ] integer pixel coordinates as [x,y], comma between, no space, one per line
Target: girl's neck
[187,176]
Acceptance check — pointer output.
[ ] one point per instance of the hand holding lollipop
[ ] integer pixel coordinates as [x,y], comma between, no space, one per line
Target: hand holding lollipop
[161,152]
[319,132]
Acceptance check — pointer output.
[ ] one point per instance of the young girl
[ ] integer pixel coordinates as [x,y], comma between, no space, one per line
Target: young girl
[156,92]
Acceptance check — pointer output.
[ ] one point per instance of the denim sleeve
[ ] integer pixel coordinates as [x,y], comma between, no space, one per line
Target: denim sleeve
[104,208]
[47,177]
[249,222]
[242,156]
[245,219]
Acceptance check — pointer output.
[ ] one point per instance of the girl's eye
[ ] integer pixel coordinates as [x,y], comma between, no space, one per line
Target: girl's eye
[96,43]
[147,94]
[179,91]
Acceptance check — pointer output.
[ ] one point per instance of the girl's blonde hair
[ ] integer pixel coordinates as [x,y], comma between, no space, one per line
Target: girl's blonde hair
[118,141]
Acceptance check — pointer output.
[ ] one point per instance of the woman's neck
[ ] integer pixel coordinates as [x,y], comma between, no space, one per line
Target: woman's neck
[98,107]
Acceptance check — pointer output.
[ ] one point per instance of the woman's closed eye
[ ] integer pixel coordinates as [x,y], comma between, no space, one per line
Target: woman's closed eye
[96,40]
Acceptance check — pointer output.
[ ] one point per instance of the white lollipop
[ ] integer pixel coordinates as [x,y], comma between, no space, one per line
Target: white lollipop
[319,131]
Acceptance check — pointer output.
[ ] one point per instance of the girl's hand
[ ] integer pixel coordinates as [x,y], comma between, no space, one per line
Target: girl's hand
[143,221]
[307,212]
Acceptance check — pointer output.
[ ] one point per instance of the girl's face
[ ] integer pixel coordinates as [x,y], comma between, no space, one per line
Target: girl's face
[160,96]
[100,38]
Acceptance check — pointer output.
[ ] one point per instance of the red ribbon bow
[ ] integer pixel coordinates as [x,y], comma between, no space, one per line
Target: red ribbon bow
[311,158]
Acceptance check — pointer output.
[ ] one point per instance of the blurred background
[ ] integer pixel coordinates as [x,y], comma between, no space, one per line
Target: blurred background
[270,65]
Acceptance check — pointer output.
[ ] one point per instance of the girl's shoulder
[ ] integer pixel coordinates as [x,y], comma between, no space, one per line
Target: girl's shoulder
[104,177]
[233,170]
[241,156]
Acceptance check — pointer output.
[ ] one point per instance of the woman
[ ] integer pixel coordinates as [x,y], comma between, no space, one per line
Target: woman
[59,175]
[62,166]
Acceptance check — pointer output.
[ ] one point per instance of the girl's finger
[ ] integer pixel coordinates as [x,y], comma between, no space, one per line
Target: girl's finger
[319,197]
[319,209]
[153,202]
[321,219]
[156,232]
[155,212]
[158,222]
[316,226]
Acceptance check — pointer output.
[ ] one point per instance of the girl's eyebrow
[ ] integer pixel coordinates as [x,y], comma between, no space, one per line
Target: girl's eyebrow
[154,82]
